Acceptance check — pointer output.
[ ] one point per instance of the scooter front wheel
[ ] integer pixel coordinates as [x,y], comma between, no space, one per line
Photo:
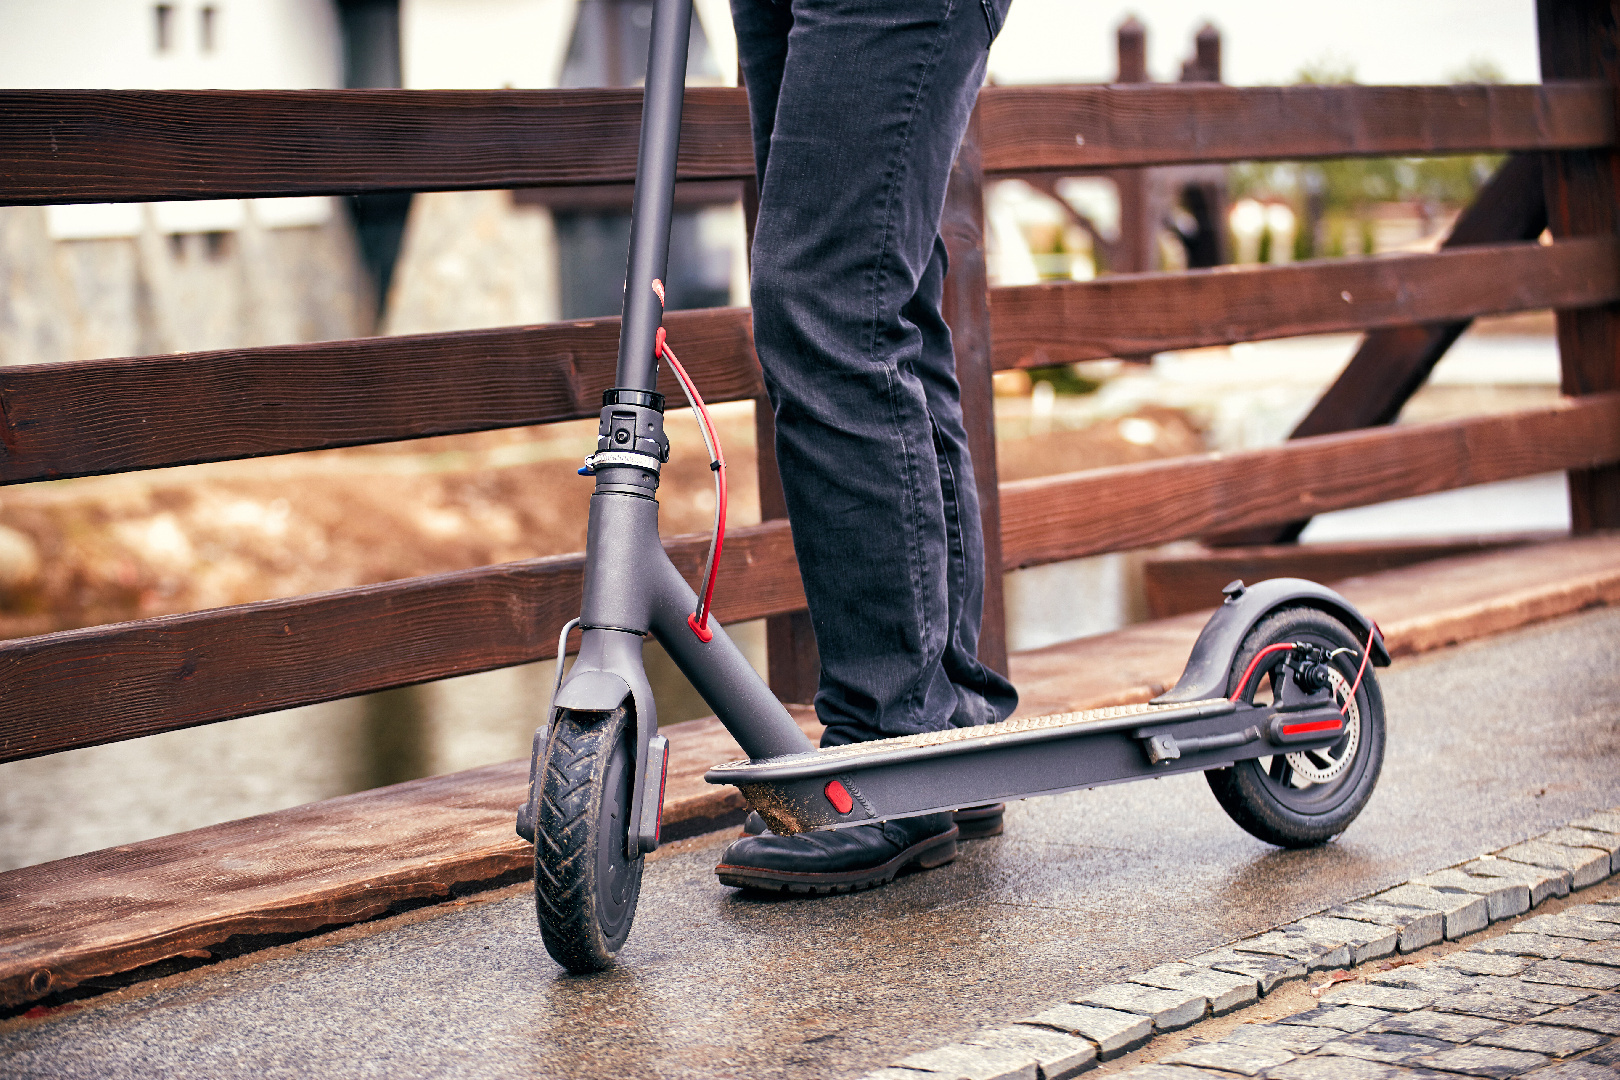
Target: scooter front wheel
[1307,798]
[586,879]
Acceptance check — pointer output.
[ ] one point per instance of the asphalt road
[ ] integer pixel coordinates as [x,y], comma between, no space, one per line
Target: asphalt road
[1488,744]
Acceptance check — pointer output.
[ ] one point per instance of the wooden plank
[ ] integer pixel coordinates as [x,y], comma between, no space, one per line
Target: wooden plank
[1036,128]
[1177,582]
[967,311]
[1391,364]
[1133,506]
[1129,314]
[1580,40]
[59,146]
[138,145]
[97,920]
[108,683]
[105,416]
[1420,608]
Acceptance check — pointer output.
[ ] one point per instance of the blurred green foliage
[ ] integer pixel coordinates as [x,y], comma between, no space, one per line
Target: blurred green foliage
[1343,188]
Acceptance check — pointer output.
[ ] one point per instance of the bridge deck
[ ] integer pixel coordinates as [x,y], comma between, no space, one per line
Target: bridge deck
[1489,743]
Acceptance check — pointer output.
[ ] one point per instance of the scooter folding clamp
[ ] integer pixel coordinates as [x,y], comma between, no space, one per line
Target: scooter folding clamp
[604,458]
[1166,747]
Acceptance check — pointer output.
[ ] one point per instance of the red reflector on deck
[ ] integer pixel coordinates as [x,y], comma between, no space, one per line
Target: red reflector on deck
[1305,729]
[839,797]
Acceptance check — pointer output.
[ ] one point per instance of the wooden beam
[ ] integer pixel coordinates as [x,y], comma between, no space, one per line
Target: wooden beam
[108,683]
[1133,506]
[1581,39]
[967,311]
[1076,128]
[1130,314]
[105,416]
[1391,364]
[1177,582]
[139,145]
[61,146]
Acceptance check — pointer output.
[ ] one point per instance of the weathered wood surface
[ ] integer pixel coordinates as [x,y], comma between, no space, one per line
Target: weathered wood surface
[109,683]
[138,145]
[1177,582]
[1390,365]
[1582,40]
[1133,506]
[105,416]
[61,146]
[1419,608]
[88,919]
[1036,128]
[213,891]
[1131,314]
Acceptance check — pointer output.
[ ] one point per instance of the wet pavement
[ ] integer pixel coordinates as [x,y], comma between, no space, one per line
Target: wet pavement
[1536,1002]
[1488,743]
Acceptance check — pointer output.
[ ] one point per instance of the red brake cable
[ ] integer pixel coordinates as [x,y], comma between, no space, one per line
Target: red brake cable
[699,619]
[1344,710]
[1243,683]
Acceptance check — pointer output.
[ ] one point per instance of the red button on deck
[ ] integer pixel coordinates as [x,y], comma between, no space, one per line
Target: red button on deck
[839,797]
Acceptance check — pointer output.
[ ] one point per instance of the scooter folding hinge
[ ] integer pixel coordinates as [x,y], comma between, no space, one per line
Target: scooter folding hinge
[1162,748]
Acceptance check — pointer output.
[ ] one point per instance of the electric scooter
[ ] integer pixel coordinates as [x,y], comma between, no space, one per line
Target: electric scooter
[1276,705]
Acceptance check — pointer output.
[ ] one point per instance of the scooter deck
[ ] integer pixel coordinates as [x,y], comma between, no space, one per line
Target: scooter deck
[1037,755]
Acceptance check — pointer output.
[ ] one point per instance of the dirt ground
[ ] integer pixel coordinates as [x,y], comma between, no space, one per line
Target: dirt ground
[104,549]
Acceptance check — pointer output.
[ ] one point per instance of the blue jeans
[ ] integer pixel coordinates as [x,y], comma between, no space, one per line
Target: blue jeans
[858,107]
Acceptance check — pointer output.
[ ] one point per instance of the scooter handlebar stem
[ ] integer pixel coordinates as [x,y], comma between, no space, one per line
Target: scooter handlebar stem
[655,195]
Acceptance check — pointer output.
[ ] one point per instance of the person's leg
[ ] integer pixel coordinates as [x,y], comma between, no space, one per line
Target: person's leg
[858,110]
[857,121]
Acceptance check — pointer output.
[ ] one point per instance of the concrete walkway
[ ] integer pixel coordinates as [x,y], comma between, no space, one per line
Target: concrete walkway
[1489,744]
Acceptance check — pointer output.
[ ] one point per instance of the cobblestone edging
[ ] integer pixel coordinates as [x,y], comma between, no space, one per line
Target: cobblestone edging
[1520,1003]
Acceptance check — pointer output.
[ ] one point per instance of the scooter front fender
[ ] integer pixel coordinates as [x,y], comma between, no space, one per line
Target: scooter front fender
[1208,667]
[593,691]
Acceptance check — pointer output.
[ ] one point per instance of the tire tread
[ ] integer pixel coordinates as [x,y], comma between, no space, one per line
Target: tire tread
[566,839]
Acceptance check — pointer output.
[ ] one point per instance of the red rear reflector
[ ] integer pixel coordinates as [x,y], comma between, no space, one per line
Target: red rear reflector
[838,797]
[1305,729]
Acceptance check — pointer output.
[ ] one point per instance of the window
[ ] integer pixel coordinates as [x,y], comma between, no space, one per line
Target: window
[208,28]
[164,25]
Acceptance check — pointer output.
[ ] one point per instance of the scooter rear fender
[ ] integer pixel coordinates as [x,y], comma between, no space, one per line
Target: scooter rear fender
[1210,664]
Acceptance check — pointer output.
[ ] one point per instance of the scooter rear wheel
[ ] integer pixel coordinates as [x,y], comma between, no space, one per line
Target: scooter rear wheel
[586,880]
[1304,799]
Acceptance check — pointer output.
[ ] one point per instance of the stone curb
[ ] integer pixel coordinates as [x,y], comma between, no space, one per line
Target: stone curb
[1071,1037]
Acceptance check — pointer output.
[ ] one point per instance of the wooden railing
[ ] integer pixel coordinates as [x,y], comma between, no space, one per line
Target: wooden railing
[103,684]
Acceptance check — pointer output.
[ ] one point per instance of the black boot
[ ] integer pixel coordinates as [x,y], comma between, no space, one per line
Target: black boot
[839,860]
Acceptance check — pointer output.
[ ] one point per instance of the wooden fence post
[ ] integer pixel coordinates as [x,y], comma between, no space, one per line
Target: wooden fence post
[1135,250]
[1580,39]
[967,310]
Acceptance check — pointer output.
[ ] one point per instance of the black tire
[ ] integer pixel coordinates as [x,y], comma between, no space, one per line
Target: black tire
[1271,798]
[586,881]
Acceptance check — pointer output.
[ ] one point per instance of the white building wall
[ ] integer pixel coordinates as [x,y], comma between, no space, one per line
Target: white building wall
[112,45]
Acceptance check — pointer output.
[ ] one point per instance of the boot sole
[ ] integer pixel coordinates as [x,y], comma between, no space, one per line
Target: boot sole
[924,855]
[980,822]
